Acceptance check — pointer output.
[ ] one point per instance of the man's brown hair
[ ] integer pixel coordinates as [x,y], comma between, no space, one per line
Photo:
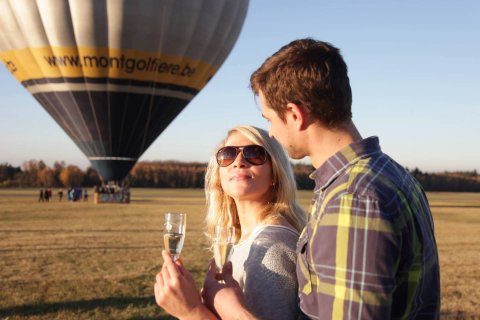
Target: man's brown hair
[309,73]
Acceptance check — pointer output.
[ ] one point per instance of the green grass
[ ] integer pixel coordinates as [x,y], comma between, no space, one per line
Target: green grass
[86,261]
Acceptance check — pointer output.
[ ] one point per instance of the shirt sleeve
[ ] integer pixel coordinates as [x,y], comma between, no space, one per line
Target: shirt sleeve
[271,289]
[354,252]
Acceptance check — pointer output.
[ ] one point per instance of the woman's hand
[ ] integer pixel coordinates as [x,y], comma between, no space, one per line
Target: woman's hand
[223,295]
[175,291]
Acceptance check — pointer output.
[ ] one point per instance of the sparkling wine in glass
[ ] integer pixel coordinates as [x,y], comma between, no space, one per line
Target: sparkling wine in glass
[174,233]
[223,245]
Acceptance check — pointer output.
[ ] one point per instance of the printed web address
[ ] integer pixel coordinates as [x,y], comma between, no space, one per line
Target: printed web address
[130,65]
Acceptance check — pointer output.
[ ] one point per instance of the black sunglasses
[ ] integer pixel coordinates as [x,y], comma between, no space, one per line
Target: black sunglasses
[253,154]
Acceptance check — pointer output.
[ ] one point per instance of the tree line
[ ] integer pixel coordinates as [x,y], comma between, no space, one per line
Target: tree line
[35,173]
[460,181]
[177,174]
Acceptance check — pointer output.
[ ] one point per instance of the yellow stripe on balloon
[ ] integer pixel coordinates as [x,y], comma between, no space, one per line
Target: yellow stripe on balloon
[52,62]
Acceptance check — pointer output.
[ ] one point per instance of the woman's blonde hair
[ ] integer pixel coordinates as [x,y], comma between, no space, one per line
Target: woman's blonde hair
[221,208]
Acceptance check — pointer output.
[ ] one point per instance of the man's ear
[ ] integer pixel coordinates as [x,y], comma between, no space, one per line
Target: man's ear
[297,115]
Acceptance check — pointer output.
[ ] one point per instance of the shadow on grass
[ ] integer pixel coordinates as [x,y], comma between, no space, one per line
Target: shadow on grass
[81,306]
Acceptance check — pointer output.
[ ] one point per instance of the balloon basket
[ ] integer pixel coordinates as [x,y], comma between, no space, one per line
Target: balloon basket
[111,195]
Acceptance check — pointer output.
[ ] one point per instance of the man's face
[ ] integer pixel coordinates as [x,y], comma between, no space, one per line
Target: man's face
[283,131]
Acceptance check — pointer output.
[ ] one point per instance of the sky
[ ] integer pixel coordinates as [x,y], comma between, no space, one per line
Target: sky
[414,68]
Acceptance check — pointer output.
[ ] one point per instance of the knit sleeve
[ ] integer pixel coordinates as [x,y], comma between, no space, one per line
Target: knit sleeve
[270,280]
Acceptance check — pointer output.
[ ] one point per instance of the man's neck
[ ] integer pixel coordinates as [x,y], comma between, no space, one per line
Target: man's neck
[324,142]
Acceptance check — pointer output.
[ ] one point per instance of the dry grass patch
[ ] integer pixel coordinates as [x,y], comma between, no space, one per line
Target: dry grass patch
[457,225]
[85,261]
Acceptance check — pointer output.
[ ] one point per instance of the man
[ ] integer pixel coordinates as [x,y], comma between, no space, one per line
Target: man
[368,250]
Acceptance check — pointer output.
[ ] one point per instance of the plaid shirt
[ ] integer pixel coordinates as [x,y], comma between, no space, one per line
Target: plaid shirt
[368,250]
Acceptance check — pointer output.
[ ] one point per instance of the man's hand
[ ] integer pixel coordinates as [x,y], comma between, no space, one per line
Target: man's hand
[223,295]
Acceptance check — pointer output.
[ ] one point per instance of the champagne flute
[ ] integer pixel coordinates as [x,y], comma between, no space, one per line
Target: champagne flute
[174,233]
[223,245]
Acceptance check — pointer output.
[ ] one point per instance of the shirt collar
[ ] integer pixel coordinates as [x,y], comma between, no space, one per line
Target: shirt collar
[344,158]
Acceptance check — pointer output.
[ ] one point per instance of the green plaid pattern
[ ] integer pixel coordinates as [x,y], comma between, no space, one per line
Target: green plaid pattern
[368,250]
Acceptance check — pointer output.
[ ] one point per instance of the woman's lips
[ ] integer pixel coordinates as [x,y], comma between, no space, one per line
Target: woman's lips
[240,177]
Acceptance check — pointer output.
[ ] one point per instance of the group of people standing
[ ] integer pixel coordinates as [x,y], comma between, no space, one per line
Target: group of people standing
[73,194]
[45,195]
[367,248]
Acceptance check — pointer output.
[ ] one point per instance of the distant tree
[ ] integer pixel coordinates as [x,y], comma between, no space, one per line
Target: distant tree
[71,176]
[464,181]
[29,175]
[7,171]
[41,165]
[46,177]
[416,172]
[91,178]
[302,174]
[168,174]
[58,166]
[9,175]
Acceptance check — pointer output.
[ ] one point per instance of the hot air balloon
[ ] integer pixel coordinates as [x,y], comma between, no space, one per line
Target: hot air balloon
[114,73]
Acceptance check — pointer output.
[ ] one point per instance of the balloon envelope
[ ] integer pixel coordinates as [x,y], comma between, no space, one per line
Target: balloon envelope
[114,73]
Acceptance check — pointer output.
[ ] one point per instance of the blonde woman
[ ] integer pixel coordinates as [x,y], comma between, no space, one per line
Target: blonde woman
[250,185]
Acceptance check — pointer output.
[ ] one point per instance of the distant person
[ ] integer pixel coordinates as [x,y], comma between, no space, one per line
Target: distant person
[60,195]
[249,184]
[46,195]
[368,250]
[41,196]
[85,195]
[71,194]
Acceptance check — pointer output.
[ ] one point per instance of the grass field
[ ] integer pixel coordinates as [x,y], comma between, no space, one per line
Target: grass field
[85,261]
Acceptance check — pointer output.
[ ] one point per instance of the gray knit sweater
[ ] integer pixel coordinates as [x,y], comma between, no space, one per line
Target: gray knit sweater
[264,266]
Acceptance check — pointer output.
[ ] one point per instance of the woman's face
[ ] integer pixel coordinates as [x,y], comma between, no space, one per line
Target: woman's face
[242,180]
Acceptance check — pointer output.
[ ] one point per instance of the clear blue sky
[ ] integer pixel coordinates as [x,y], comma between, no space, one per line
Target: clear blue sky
[414,68]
